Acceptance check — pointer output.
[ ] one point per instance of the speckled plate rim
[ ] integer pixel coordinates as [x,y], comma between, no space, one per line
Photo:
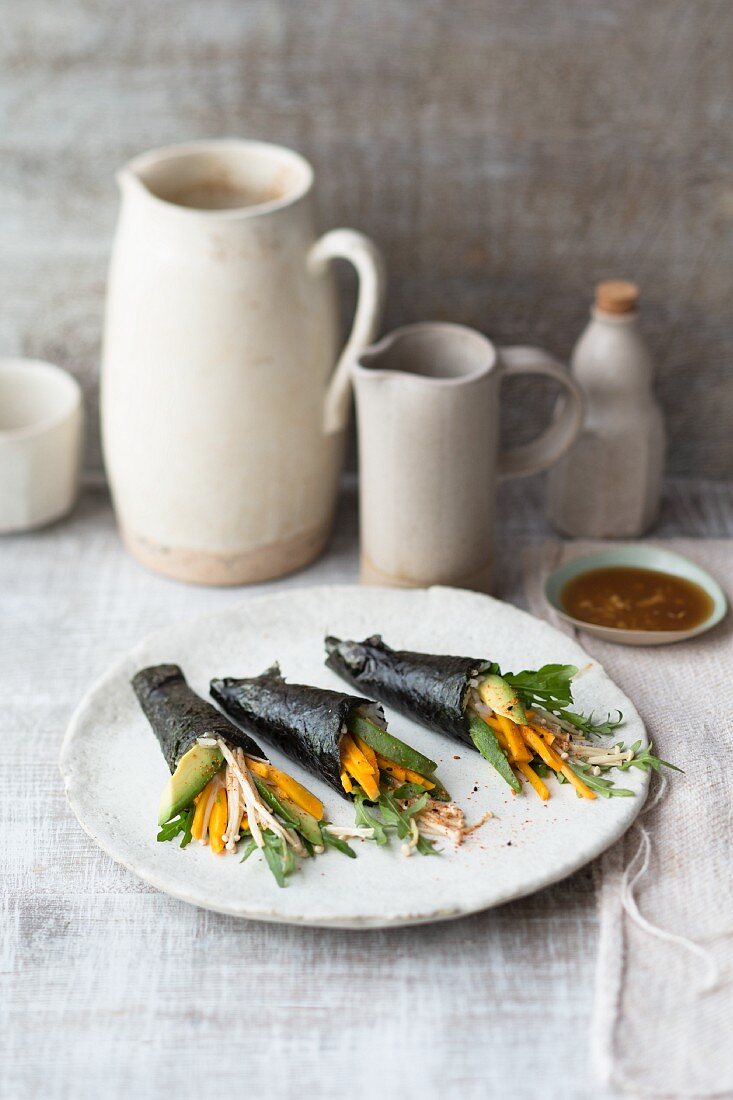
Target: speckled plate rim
[587,838]
[643,557]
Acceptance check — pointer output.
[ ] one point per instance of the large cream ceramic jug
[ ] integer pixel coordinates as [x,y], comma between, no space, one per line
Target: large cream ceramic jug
[224,399]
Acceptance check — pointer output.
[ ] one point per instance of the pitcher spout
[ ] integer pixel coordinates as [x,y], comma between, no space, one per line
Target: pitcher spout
[127,180]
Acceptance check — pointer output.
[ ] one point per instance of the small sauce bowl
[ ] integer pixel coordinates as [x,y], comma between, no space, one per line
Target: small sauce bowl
[640,557]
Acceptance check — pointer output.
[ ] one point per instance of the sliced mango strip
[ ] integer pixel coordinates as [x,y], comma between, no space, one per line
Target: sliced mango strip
[545,734]
[555,762]
[498,730]
[366,749]
[201,801]
[359,768]
[534,780]
[346,782]
[404,774]
[517,748]
[290,787]
[543,750]
[218,821]
[577,782]
[386,765]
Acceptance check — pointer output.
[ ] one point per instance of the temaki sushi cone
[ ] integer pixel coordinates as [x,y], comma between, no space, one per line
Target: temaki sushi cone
[519,723]
[343,739]
[179,718]
[431,689]
[223,788]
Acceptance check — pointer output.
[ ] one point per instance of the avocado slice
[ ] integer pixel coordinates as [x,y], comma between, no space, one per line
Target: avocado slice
[193,771]
[502,698]
[307,824]
[389,746]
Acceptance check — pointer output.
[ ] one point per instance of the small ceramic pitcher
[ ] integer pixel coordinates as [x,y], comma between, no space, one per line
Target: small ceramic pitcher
[428,413]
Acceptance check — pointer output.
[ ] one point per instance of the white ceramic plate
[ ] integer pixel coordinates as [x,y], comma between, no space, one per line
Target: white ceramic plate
[113,770]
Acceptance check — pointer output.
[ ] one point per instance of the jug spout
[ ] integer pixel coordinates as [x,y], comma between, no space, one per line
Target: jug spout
[128,180]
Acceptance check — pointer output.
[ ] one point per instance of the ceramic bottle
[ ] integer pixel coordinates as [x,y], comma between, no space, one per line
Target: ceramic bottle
[608,484]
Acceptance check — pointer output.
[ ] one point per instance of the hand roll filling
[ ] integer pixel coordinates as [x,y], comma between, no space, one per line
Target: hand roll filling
[222,788]
[520,722]
[343,739]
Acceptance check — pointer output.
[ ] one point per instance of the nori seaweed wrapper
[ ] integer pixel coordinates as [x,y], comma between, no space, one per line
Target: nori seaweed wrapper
[179,716]
[429,688]
[304,722]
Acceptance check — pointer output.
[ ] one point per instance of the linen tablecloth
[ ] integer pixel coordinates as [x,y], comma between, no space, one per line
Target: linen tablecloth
[109,988]
[664,992]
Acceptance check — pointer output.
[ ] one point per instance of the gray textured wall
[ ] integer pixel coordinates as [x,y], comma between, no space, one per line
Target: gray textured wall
[505,154]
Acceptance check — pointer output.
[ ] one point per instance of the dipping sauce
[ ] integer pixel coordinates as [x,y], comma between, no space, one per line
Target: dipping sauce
[636,599]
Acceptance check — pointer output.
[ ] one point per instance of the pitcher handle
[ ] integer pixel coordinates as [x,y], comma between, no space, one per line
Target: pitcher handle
[529,458]
[348,244]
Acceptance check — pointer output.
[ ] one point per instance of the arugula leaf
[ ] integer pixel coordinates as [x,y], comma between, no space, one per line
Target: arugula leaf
[363,817]
[604,787]
[399,817]
[408,790]
[337,843]
[272,852]
[585,723]
[645,760]
[278,855]
[251,847]
[287,855]
[550,687]
[180,824]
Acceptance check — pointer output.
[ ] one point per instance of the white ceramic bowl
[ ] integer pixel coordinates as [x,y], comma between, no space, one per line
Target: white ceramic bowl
[41,428]
[640,556]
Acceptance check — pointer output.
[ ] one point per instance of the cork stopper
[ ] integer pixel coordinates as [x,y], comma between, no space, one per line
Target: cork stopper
[616,296]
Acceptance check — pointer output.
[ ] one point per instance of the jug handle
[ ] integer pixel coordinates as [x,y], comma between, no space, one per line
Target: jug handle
[550,445]
[348,244]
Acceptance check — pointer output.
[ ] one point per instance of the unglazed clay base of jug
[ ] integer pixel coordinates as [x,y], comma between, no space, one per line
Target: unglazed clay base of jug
[427,402]
[223,405]
[609,484]
[229,569]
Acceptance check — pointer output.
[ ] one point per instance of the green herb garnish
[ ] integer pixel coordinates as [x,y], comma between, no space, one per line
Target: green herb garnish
[606,788]
[337,843]
[585,723]
[251,847]
[180,824]
[399,818]
[645,760]
[550,687]
[278,856]
[362,816]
